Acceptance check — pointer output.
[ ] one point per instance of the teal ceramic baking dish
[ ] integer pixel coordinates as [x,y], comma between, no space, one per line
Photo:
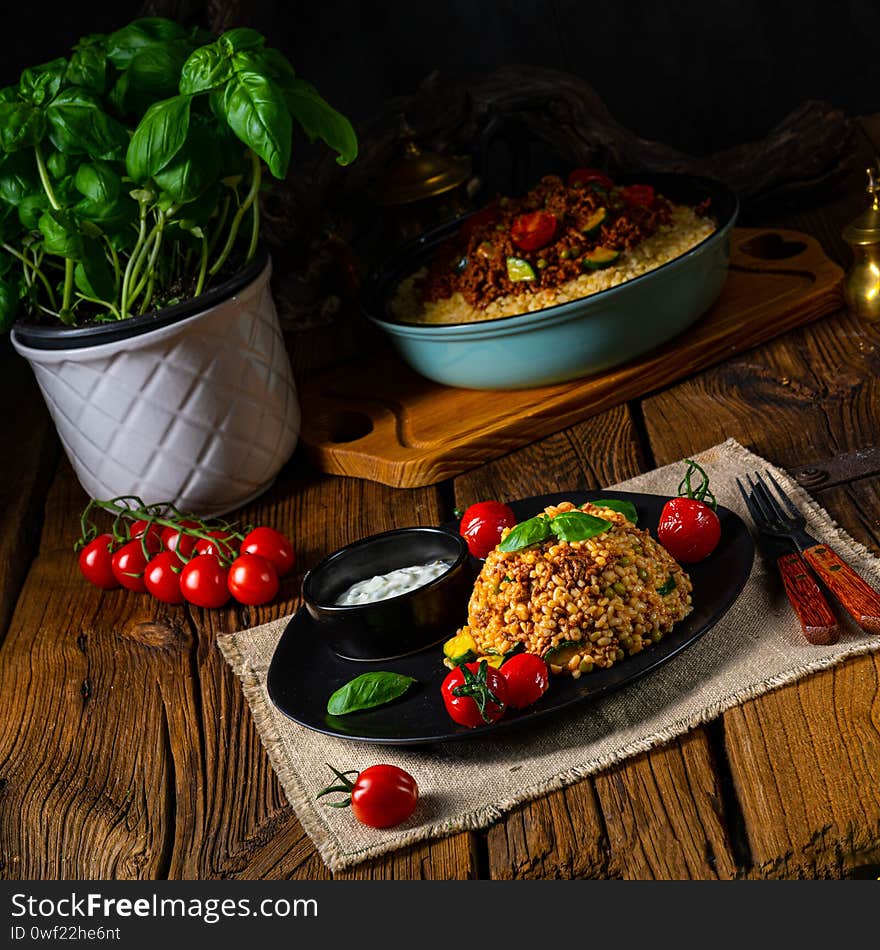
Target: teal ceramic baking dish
[569,340]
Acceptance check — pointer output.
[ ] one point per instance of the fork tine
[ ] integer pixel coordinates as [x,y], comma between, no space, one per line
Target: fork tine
[768,497]
[754,511]
[766,514]
[785,499]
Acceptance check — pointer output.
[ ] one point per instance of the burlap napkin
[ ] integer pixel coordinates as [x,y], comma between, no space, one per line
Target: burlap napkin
[756,647]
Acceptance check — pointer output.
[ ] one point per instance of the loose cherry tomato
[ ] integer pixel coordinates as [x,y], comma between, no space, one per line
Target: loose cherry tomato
[475,694]
[589,176]
[222,543]
[527,679]
[639,195]
[252,580]
[477,221]
[153,532]
[689,529]
[175,540]
[95,562]
[203,581]
[381,796]
[128,565]
[533,230]
[482,523]
[162,577]
[272,545]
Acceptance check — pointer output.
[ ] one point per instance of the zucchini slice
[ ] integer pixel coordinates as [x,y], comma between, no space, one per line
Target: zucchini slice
[493,659]
[519,269]
[561,655]
[594,222]
[461,648]
[600,258]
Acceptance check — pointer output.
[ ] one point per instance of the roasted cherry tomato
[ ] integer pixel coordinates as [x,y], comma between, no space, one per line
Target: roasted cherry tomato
[589,176]
[175,540]
[380,796]
[128,565]
[252,580]
[203,581]
[482,523]
[475,694]
[221,542]
[162,577]
[527,679]
[96,562]
[153,532]
[689,529]
[639,195]
[272,545]
[533,230]
[477,221]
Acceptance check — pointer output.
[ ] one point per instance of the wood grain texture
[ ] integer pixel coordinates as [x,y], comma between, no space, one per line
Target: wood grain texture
[379,420]
[805,759]
[591,829]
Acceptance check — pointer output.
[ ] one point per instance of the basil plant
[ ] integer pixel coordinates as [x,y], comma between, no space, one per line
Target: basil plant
[130,171]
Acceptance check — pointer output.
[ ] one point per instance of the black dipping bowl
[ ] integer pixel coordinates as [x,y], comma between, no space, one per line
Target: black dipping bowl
[400,625]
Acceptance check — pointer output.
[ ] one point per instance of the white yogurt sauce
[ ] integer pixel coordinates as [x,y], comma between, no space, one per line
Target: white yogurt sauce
[383,586]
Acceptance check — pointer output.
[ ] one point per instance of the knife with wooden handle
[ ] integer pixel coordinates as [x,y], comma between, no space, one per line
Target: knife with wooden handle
[815,615]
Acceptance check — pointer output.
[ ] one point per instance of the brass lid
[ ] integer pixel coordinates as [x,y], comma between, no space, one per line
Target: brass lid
[419,174]
[866,227]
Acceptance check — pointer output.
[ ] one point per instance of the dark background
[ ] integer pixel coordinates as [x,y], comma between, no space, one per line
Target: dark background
[696,75]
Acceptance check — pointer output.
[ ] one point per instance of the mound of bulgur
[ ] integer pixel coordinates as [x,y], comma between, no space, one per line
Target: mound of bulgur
[606,593]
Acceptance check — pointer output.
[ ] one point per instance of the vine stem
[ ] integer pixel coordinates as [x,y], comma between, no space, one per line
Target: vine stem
[44,178]
[126,277]
[36,270]
[240,213]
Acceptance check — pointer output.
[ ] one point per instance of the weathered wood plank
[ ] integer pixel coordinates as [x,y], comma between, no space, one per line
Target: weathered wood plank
[587,830]
[805,759]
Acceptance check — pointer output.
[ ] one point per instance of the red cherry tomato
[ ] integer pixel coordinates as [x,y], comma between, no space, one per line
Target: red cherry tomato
[381,796]
[640,195]
[203,581]
[162,577]
[175,540]
[688,529]
[477,221]
[475,694]
[272,545]
[153,532]
[589,176]
[527,679]
[95,562]
[252,580]
[222,543]
[128,565]
[481,526]
[533,230]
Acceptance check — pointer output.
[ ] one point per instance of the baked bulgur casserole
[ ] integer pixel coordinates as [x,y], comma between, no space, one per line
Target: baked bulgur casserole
[579,604]
[559,242]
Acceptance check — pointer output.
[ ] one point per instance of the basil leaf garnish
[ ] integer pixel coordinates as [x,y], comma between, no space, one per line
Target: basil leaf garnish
[668,587]
[578,526]
[528,532]
[626,508]
[368,690]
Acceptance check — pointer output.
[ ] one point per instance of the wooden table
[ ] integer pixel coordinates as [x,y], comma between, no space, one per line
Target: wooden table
[127,749]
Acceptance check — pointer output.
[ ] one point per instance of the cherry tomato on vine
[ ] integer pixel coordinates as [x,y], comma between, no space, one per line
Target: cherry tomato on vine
[203,581]
[527,679]
[272,545]
[252,580]
[482,523]
[381,796]
[173,539]
[222,543]
[96,562]
[475,694]
[128,565]
[589,176]
[153,534]
[162,577]
[639,195]
[689,529]
[534,230]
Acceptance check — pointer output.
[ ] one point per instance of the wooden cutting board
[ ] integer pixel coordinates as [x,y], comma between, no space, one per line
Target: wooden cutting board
[377,419]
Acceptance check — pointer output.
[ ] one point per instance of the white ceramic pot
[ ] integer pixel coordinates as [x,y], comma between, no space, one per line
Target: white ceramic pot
[195,405]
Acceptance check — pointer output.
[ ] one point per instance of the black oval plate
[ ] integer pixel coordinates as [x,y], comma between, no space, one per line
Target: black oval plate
[304,671]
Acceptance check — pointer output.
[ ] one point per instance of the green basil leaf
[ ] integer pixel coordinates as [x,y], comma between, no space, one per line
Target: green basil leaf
[668,587]
[368,690]
[93,275]
[61,235]
[18,177]
[153,74]
[8,305]
[88,63]
[60,165]
[98,181]
[40,84]
[31,209]
[124,44]
[526,533]
[273,63]
[194,168]
[578,526]
[255,110]
[233,41]
[320,120]
[78,124]
[626,508]
[205,69]
[21,125]
[9,94]
[159,135]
